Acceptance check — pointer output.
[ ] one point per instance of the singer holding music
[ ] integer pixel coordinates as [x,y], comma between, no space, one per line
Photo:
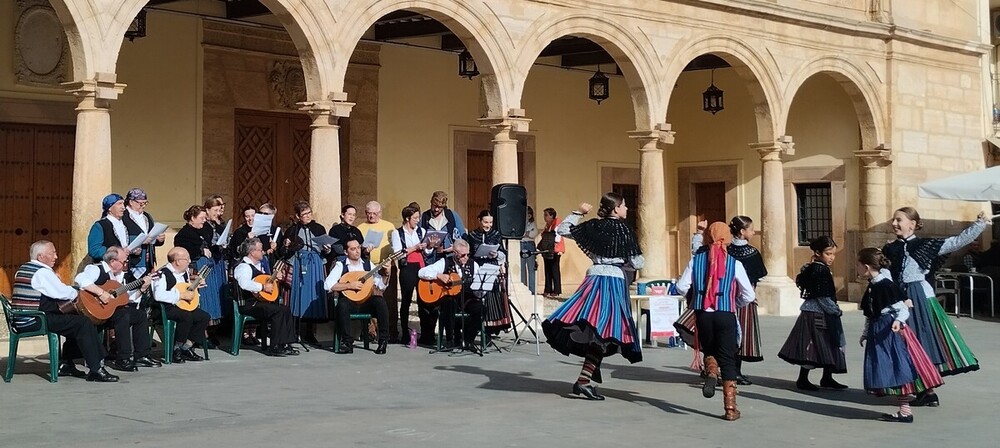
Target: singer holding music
[410,237]
[129,322]
[191,325]
[280,319]
[308,299]
[373,305]
[496,308]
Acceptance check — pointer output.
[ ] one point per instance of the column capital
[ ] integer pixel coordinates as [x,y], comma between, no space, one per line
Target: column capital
[97,92]
[880,157]
[336,105]
[770,151]
[653,139]
[506,124]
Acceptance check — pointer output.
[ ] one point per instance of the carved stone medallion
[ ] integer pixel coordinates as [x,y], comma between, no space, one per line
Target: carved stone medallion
[287,84]
[41,54]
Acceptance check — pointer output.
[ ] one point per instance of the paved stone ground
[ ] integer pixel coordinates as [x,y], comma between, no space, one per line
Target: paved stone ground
[411,398]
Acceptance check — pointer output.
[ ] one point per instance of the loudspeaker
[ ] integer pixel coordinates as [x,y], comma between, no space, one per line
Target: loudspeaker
[509,207]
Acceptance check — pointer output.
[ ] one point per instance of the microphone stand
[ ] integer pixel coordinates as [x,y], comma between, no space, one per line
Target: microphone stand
[535,317]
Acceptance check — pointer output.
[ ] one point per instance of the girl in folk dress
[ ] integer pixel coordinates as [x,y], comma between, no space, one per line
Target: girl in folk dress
[496,313]
[742,230]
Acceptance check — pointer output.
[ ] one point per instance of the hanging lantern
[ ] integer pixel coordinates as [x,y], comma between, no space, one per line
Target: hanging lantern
[713,100]
[467,65]
[138,27]
[599,87]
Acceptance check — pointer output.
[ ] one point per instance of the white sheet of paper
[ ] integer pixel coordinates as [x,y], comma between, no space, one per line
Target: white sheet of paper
[277,231]
[138,241]
[262,224]
[224,237]
[664,310]
[484,250]
[156,231]
[484,278]
[373,238]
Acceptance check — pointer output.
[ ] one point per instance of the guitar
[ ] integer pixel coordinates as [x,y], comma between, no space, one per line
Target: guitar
[271,278]
[430,291]
[89,305]
[366,278]
[193,287]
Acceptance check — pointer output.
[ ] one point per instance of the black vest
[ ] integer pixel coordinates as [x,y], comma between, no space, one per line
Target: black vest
[247,296]
[923,250]
[110,237]
[402,242]
[168,276]
[468,274]
[133,230]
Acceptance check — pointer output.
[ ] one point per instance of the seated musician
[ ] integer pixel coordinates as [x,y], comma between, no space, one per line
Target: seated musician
[345,307]
[466,301]
[36,286]
[129,322]
[278,316]
[190,324]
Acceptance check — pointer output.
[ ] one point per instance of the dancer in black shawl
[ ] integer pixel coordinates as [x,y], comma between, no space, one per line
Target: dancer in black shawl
[742,230]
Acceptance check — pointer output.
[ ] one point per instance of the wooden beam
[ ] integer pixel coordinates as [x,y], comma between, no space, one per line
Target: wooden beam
[573,45]
[159,2]
[706,62]
[239,9]
[402,30]
[451,42]
[592,58]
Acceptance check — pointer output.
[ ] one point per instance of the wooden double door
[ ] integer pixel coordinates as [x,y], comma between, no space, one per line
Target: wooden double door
[479,166]
[36,192]
[271,160]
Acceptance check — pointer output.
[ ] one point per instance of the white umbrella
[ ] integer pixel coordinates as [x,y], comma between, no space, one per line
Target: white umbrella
[976,186]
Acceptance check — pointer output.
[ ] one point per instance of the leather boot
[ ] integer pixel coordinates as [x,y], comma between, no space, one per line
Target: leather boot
[712,380]
[729,400]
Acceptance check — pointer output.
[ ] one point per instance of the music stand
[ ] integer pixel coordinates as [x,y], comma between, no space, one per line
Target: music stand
[483,283]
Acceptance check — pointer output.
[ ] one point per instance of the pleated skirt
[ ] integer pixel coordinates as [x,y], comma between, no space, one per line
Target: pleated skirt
[941,340]
[896,363]
[598,317]
[308,300]
[816,340]
[211,298]
[749,327]
[496,312]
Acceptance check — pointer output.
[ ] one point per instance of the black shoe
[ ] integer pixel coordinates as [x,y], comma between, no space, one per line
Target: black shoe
[289,351]
[382,345]
[708,389]
[102,376]
[896,418]
[124,365]
[178,356]
[250,341]
[923,399]
[274,351]
[744,381]
[346,348]
[146,361]
[213,343]
[805,385]
[310,339]
[69,369]
[191,355]
[830,383]
[587,392]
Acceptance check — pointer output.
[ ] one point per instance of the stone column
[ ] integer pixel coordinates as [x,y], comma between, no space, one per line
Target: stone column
[776,293]
[324,161]
[874,195]
[92,156]
[651,208]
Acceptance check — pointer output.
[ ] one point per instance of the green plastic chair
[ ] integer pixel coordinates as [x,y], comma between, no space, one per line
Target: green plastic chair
[169,328]
[239,320]
[10,314]
[365,337]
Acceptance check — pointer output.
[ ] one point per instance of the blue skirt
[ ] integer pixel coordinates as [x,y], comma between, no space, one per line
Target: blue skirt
[211,297]
[308,299]
[598,316]
[895,363]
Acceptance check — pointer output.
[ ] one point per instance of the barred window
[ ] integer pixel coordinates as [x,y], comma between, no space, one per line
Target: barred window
[815,212]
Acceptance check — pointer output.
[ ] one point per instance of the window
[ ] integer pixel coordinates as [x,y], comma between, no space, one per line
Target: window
[815,212]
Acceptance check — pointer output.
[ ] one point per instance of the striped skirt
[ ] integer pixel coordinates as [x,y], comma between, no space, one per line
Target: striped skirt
[216,290]
[816,340]
[896,363]
[749,328]
[941,340]
[308,299]
[496,311]
[597,316]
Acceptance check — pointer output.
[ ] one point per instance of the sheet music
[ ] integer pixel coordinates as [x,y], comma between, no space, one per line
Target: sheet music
[484,250]
[147,237]
[324,240]
[432,236]
[373,238]
[224,237]
[485,278]
[262,224]
[138,241]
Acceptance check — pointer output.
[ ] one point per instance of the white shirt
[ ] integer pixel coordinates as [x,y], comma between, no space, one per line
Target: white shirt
[244,275]
[745,294]
[120,231]
[410,239]
[160,291]
[430,272]
[46,282]
[338,268]
[93,271]
[139,218]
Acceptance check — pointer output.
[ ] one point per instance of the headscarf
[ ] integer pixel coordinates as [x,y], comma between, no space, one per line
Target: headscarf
[135,194]
[717,241]
[108,201]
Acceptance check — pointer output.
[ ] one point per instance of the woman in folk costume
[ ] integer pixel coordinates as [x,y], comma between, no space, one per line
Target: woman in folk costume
[596,321]
[817,339]
[895,361]
[914,261]
[718,286]
[496,312]
[741,227]
[308,298]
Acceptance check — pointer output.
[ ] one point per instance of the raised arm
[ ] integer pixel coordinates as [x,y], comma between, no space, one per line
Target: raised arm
[963,239]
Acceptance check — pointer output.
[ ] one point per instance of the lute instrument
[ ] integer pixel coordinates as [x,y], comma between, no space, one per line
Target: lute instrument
[88,304]
[430,291]
[193,287]
[271,279]
[367,279]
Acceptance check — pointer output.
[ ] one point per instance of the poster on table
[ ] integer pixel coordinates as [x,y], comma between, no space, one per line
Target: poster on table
[664,310]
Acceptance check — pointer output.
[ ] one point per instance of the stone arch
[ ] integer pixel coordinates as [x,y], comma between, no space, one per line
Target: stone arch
[858,86]
[635,60]
[749,65]
[481,32]
[79,35]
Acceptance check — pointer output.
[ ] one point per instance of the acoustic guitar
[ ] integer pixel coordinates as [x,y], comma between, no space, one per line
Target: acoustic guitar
[366,278]
[430,291]
[272,279]
[89,305]
[193,287]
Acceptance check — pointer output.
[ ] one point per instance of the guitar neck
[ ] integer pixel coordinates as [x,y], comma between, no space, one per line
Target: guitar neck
[201,277]
[135,284]
[391,258]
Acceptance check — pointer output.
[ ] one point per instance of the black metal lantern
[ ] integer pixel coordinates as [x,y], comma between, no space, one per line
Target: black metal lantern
[712,98]
[467,65]
[138,27]
[599,87]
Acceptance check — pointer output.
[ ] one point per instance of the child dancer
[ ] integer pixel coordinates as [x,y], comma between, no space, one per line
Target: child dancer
[817,339]
[742,230]
[895,362]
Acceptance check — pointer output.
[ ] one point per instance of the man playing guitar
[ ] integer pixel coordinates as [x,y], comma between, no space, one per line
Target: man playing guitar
[129,322]
[282,329]
[190,324]
[373,305]
[461,264]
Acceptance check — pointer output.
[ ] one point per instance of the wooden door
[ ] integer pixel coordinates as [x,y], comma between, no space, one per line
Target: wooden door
[271,159]
[479,180]
[631,194]
[710,201]
[36,185]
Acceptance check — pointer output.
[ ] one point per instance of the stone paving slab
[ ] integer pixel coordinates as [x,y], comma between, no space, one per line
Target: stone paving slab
[411,398]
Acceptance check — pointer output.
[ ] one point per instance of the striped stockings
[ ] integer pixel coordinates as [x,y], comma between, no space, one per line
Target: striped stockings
[904,405]
[590,363]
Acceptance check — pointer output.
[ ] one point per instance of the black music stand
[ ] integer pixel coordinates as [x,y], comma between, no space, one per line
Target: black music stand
[487,340]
